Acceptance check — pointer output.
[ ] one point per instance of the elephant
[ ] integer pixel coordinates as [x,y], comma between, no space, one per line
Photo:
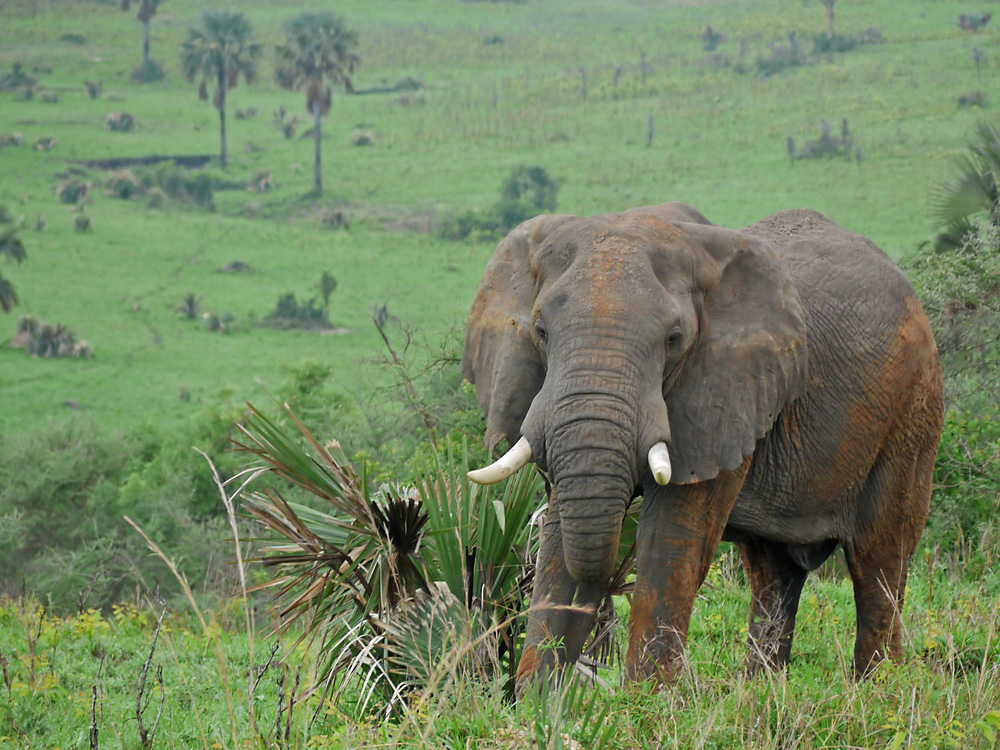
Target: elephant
[777,387]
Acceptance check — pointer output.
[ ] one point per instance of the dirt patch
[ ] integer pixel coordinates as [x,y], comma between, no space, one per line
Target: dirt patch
[422,222]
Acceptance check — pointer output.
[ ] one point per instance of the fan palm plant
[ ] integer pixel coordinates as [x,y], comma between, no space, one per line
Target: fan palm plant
[220,50]
[10,247]
[319,49]
[974,190]
[402,587]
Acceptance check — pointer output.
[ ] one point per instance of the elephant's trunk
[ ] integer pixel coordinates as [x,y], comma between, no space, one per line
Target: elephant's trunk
[592,460]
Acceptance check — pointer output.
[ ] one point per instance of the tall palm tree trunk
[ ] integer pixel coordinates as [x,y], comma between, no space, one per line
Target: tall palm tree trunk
[317,108]
[145,42]
[222,115]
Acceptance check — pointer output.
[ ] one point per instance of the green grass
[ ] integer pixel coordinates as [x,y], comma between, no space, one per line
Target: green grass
[946,693]
[719,144]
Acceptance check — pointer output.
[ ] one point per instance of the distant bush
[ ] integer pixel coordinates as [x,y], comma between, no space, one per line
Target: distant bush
[362,137]
[73,38]
[82,222]
[11,139]
[46,340]
[17,79]
[124,185]
[333,218]
[119,122]
[824,44]
[527,192]
[972,99]
[181,184]
[148,71]
[73,191]
[284,123]
[289,313]
[782,57]
[261,182]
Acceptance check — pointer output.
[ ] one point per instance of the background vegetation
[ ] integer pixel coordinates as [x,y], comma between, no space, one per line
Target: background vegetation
[465,118]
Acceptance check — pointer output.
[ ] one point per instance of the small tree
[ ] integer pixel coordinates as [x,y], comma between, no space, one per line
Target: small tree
[220,50]
[12,248]
[147,11]
[318,48]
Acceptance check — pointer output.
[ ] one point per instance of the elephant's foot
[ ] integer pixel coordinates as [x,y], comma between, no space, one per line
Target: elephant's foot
[659,659]
[776,581]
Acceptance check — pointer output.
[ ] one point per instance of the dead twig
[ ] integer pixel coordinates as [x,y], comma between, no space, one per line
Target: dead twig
[146,735]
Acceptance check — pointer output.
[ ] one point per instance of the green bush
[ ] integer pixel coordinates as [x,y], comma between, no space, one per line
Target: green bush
[180,184]
[966,480]
[960,291]
[65,489]
[148,71]
[527,192]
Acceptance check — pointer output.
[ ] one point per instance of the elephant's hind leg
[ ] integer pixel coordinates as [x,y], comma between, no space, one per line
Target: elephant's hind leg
[897,494]
[776,581]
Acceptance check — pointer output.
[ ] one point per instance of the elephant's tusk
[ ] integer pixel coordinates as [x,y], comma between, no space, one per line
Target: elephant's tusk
[514,459]
[659,463]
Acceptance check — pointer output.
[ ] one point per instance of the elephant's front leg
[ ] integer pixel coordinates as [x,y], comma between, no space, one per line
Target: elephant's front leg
[680,528]
[562,612]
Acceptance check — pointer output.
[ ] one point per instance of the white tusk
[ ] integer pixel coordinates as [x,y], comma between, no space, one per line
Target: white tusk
[659,463]
[514,459]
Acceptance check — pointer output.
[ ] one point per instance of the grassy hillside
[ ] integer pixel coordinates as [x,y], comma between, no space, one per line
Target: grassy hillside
[503,86]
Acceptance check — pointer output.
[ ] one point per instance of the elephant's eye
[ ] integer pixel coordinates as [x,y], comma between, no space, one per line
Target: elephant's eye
[543,335]
[674,337]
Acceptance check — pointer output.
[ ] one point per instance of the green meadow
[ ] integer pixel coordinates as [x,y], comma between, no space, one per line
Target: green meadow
[621,104]
[719,143]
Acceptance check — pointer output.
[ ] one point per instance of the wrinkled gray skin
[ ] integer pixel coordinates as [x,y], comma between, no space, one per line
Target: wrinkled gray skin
[791,372]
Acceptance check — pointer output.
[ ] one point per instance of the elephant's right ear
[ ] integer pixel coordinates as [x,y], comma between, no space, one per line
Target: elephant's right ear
[499,356]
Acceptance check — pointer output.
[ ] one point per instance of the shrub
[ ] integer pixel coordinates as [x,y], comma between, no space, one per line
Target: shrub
[782,57]
[960,290]
[532,185]
[46,340]
[17,79]
[181,184]
[527,192]
[966,480]
[290,313]
[124,185]
[362,137]
[73,191]
[148,71]
[824,44]
[972,99]
[261,182]
[119,122]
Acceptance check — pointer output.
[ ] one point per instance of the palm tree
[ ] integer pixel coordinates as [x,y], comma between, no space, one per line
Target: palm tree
[829,18]
[220,50]
[973,190]
[147,10]
[12,248]
[317,46]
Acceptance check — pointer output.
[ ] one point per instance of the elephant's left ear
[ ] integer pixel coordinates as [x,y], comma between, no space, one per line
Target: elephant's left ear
[750,360]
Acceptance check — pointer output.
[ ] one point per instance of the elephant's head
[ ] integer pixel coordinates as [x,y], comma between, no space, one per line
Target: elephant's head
[601,346]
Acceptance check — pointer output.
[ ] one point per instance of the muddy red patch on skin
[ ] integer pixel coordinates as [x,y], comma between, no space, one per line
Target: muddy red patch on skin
[530,663]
